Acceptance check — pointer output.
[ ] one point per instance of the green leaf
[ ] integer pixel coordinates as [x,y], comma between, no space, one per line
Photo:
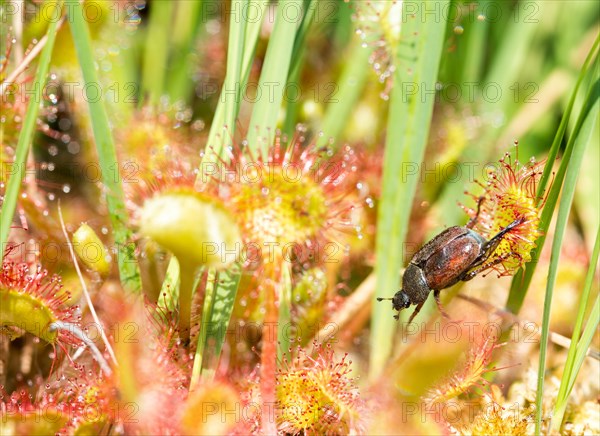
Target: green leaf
[409,120]
[351,85]
[107,156]
[156,55]
[285,317]
[273,78]
[521,281]
[185,30]
[26,136]
[221,291]
[589,116]
[231,88]
[578,348]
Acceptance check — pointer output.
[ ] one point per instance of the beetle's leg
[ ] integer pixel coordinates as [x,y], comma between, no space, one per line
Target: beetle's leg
[473,272]
[473,220]
[417,310]
[491,245]
[436,295]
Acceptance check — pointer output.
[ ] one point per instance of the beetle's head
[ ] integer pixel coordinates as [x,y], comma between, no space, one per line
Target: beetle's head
[400,301]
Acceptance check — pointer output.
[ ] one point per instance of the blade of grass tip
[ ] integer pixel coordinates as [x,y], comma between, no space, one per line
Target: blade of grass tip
[583,138]
[273,77]
[9,203]
[409,120]
[521,281]
[157,51]
[351,84]
[570,364]
[214,144]
[107,156]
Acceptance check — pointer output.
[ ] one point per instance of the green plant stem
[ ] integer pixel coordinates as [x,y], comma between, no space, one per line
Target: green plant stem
[186,290]
[107,156]
[409,119]
[581,141]
[285,318]
[209,297]
[9,203]
[570,365]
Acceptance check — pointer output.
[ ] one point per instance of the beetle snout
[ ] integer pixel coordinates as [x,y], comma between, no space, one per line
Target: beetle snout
[400,300]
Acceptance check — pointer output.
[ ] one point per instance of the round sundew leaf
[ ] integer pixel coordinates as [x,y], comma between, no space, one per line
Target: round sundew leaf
[195,229]
[27,313]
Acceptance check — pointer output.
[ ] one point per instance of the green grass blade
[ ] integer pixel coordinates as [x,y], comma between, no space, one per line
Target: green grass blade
[231,88]
[107,156]
[185,30]
[273,78]
[473,63]
[584,343]
[582,139]
[351,85]
[156,55]
[209,298]
[291,106]
[409,120]
[251,36]
[310,6]
[521,281]
[571,369]
[285,317]
[9,203]
[218,306]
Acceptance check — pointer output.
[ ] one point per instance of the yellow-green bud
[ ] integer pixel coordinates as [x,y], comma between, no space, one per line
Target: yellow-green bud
[90,250]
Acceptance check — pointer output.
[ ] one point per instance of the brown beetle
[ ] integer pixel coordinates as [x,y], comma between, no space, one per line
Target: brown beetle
[457,254]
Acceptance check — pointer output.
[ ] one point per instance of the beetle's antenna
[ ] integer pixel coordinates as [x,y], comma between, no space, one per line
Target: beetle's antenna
[382,299]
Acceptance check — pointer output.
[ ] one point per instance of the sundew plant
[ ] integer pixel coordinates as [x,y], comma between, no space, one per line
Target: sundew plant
[299,217]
